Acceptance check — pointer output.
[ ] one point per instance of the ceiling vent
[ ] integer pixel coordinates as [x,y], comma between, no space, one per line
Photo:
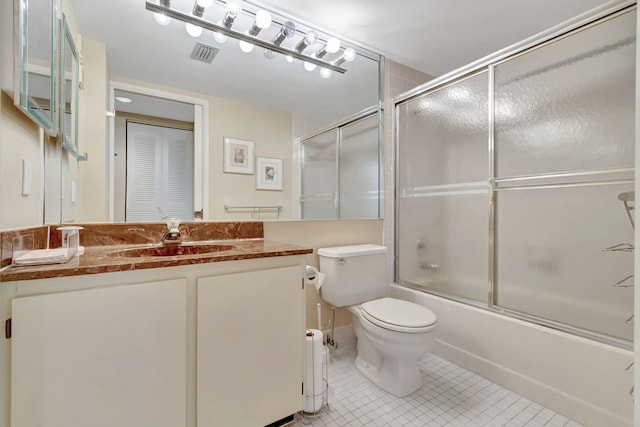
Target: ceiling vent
[204,53]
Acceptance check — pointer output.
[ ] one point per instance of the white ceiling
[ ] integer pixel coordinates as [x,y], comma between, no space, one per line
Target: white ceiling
[433,36]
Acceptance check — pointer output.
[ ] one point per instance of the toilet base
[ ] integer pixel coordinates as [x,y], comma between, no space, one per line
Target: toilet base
[400,378]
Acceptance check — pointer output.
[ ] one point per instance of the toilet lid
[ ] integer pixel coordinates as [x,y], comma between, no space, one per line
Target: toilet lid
[399,315]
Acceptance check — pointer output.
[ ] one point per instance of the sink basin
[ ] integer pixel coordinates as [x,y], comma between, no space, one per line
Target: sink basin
[173,250]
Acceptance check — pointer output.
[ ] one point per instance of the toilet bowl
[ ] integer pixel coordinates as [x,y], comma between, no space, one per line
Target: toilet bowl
[393,335]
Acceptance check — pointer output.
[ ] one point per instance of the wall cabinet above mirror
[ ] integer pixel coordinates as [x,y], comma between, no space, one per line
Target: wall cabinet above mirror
[37,35]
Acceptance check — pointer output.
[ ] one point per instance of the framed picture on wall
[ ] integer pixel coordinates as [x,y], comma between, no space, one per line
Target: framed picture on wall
[238,156]
[268,173]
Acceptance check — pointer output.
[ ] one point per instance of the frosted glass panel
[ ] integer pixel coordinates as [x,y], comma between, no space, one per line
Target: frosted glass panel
[444,135]
[359,169]
[319,177]
[443,243]
[568,105]
[550,258]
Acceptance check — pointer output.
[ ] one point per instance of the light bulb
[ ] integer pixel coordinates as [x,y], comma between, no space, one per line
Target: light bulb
[333,45]
[309,40]
[309,66]
[193,30]
[161,18]
[232,13]
[349,54]
[289,59]
[246,47]
[269,54]
[219,37]
[263,19]
[204,3]
[288,30]
[325,73]
[233,8]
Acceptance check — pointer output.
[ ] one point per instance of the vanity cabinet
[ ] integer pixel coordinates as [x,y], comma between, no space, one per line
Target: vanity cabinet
[249,347]
[104,357]
[195,345]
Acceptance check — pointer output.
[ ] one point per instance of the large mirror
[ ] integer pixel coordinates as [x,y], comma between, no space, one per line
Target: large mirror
[163,89]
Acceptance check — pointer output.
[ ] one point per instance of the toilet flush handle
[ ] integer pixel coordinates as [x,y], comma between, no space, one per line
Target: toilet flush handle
[342,261]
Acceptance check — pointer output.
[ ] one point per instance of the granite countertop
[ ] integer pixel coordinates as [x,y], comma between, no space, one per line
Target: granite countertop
[123,257]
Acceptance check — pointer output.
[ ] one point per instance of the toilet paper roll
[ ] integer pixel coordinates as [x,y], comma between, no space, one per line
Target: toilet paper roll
[314,277]
[314,384]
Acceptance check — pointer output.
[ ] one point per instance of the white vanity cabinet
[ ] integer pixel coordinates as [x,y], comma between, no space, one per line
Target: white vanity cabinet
[196,346]
[249,347]
[105,357]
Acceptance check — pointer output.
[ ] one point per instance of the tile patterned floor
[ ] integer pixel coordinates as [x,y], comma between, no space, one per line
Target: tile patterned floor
[450,396]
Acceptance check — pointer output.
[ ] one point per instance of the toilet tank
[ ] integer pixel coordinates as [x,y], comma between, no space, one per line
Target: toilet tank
[353,274]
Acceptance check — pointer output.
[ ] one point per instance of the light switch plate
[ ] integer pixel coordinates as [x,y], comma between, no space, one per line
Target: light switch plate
[26,177]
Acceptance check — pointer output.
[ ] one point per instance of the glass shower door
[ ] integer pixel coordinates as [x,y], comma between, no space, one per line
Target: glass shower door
[319,177]
[359,169]
[564,135]
[443,202]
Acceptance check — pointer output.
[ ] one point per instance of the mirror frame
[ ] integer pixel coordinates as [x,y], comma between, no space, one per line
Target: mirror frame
[68,46]
[48,122]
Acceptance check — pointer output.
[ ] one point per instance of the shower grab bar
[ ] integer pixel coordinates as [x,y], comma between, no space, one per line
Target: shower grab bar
[621,247]
[620,283]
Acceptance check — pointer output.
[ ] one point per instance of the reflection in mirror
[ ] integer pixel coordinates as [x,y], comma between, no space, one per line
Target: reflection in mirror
[37,39]
[341,170]
[69,91]
[248,96]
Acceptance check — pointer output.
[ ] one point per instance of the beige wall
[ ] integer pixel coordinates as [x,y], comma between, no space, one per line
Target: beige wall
[19,139]
[92,184]
[319,234]
[270,130]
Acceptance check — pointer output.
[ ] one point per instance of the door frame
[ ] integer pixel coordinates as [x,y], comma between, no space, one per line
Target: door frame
[200,143]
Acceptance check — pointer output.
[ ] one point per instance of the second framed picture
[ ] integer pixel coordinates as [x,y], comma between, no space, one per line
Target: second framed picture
[268,173]
[238,156]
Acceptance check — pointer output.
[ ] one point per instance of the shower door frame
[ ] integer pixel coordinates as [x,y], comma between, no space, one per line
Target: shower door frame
[487,64]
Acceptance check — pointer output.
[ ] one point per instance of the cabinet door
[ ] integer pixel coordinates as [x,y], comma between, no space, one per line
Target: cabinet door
[100,357]
[250,355]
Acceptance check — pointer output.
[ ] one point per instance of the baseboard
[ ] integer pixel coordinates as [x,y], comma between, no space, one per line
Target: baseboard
[543,394]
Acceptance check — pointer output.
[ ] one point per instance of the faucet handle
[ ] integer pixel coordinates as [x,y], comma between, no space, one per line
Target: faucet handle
[173,224]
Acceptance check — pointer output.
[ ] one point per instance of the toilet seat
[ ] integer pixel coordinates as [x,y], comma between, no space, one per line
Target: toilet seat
[398,315]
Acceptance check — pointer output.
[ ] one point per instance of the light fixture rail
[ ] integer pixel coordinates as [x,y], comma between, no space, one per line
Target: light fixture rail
[169,12]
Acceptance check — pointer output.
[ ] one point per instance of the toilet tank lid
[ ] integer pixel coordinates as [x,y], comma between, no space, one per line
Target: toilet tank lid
[351,250]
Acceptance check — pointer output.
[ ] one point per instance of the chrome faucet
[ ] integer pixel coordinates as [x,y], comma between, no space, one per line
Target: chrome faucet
[172,237]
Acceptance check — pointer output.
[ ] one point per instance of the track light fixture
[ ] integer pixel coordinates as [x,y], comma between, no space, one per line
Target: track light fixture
[326,58]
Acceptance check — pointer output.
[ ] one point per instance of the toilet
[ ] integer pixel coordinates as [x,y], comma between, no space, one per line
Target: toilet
[393,335]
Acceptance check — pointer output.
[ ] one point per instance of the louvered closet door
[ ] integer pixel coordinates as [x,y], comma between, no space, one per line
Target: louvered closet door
[159,173]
